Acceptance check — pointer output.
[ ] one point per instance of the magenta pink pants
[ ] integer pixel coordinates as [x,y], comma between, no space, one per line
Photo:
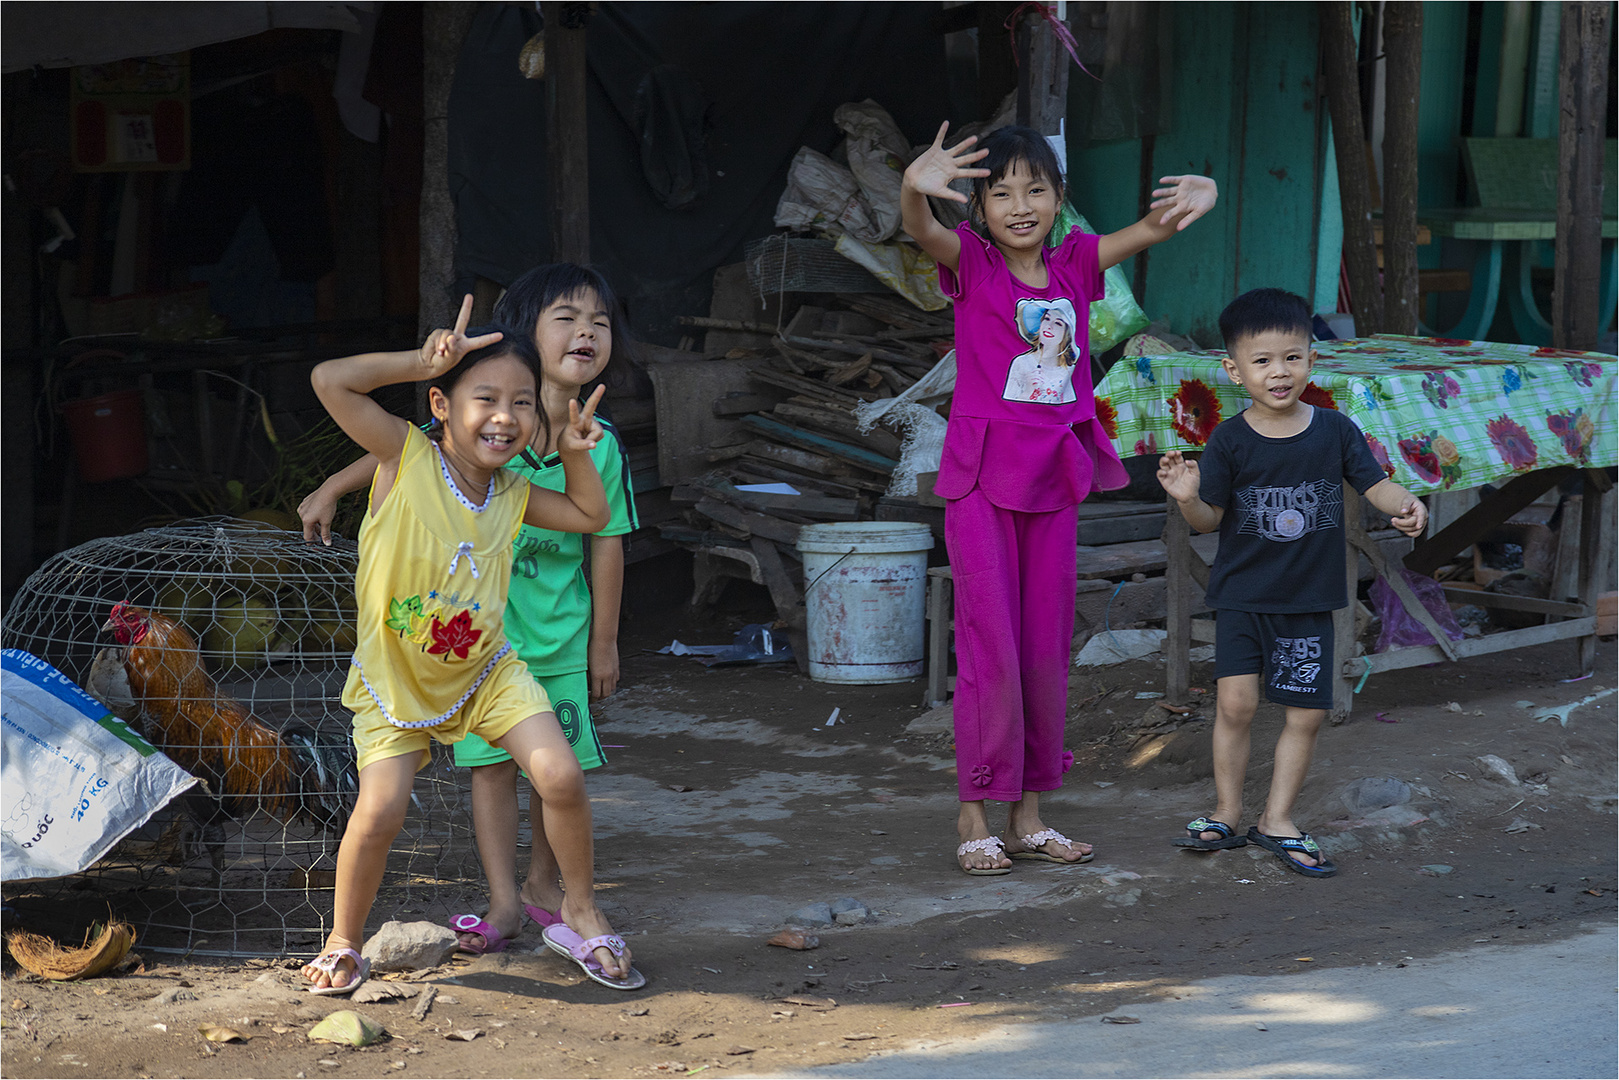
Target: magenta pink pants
[1014,586]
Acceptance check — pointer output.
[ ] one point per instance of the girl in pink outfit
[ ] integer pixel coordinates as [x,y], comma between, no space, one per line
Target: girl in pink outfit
[1022,450]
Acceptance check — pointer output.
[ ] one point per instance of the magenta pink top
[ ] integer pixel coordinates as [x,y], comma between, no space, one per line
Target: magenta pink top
[1023,425]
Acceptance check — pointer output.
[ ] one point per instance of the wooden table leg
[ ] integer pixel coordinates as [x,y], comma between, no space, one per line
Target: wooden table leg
[1178,604]
[1343,620]
[1592,523]
[941,612]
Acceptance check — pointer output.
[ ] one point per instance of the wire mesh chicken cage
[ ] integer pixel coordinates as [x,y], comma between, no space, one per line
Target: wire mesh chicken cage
[226,643]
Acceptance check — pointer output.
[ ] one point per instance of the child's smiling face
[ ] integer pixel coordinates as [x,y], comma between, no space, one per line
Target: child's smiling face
[488,415]
[1274,367]
[1019,209]
[575,338]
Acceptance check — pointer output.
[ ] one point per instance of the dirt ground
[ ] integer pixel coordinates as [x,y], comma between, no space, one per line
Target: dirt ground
[775,811]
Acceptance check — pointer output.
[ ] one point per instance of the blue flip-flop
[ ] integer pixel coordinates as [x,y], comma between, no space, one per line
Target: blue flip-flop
[1195,829]
[1304,844]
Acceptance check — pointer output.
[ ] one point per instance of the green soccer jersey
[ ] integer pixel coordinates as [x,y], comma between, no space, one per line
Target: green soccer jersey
[548,607]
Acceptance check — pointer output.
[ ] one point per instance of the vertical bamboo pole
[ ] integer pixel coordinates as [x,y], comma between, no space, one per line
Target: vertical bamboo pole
[444,28]
[1402,46]
[1354,182]
[567,136]
[1583,86]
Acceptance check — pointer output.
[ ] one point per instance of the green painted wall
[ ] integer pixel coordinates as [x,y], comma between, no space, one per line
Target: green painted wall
[1244,111]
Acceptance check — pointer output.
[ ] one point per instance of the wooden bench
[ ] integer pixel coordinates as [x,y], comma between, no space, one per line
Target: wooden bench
[1515,183]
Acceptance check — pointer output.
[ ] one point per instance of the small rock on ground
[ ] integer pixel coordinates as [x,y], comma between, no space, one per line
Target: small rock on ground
[1374,793]
[817,914]
[849,911]
[409,946]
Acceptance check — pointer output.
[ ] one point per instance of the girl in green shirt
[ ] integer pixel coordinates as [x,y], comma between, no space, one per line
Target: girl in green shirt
[565,630]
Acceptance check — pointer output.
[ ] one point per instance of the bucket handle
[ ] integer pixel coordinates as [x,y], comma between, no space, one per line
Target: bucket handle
[828,570]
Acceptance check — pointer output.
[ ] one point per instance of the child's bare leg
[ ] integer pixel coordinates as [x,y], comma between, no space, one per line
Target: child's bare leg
[1236,698]
[541,887]
[1024,820]
[1294,750]
[494,827]
[362,857]
[973,824]
[539,746]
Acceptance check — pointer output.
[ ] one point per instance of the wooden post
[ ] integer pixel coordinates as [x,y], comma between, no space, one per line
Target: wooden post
[1593,523]
[1343,620]
[1177,604]
[997,72]
[1583,86]
[1340,66]
[444,27]
[1042,86]
[567,137]
[1402,45]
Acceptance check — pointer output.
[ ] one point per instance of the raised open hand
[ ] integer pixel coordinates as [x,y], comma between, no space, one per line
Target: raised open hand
[1180,477]
[582,432]
[1189,198]
[936,166]
[444,349]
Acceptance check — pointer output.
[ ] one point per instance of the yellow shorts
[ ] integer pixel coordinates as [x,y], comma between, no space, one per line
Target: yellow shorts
[506,698]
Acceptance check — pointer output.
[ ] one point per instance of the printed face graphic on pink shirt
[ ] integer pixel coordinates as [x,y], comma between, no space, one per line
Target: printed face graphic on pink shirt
[1045,374]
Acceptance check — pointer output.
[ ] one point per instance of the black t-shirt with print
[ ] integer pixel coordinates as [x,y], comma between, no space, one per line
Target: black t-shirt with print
[1282,536]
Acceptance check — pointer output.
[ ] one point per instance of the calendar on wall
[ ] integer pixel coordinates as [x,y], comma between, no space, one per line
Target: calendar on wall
[132,115]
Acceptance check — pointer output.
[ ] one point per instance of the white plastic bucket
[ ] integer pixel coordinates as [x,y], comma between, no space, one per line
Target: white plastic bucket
[865,594]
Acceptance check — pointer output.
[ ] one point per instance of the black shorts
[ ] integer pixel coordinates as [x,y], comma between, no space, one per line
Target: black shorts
[1291,653]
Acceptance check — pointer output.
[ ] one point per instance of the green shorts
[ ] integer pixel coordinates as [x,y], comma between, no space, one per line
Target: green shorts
[570,700]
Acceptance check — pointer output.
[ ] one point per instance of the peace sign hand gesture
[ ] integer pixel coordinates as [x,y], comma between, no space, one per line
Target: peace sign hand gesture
[444,349]
[583,431]
[934,169]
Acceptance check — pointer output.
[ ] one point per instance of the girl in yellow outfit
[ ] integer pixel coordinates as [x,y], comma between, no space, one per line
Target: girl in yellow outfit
[432,660]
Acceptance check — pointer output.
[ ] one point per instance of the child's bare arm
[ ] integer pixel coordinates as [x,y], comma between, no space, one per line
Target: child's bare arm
[1181,478]
[581,506]
[606,592]
[320,506]
[1187,199]
[930,174]
[344,386]
[1406,512]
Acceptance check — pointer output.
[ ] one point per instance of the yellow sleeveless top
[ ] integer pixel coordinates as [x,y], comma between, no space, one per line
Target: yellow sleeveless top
[431,590]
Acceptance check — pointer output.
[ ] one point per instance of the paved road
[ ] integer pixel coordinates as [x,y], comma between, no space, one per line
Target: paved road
[1524,1011]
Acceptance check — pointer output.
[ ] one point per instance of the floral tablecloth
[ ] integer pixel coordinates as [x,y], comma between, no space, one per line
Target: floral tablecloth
[1438,413]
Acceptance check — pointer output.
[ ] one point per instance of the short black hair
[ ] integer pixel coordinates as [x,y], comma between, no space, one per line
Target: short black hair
[526,299]
[1260,310]
[1010,146]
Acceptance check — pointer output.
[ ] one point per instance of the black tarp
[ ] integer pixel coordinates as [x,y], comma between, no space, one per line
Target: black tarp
[695,112]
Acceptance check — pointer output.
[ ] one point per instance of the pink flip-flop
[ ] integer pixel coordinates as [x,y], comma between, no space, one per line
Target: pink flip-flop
[541,917]
[493,940]
[562,938]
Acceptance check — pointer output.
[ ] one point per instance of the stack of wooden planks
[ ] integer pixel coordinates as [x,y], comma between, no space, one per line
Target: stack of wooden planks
[798,428]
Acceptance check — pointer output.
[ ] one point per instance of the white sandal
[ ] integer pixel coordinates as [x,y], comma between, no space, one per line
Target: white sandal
[327,963]
[1035,841]
[989,845]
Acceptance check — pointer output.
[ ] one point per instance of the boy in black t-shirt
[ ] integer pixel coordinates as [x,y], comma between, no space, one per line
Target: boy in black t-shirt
[1271,480]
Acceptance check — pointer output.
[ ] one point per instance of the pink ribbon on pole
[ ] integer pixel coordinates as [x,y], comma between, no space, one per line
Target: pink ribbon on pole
[1058,28]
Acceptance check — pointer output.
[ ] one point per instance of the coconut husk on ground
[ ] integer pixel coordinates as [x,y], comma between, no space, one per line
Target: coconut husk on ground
[47,959]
